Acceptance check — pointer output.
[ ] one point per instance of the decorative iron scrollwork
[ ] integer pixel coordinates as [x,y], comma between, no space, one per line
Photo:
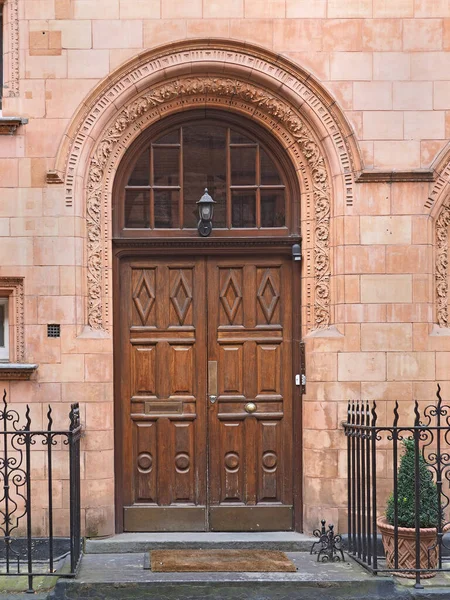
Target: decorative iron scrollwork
[329,544]
[17,541]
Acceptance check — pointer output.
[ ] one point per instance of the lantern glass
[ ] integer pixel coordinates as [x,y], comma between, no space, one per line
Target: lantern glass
[206,212]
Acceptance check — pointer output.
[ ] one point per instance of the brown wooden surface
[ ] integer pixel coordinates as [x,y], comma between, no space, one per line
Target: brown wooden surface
[163,383]
[175,316]
[249,335]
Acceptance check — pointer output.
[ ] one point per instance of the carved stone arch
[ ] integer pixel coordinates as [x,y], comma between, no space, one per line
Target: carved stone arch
[213,73]
[438,207]
[442,234]
[440,188]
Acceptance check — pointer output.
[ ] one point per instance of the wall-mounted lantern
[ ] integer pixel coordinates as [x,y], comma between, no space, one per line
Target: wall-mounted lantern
[205,211]
[296,252]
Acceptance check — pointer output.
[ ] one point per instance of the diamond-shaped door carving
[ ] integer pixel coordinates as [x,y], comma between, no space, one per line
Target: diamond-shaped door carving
[144,297]
[231,296]
[268,296]
[181,297]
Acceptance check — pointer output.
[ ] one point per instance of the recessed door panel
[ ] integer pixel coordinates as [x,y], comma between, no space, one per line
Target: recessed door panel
[143,359]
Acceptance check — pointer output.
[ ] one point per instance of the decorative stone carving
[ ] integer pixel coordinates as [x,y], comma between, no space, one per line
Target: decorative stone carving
[12,75]
[219,56]
[14,285]
[194,89]
[441,174]
[290,98]
[441,266]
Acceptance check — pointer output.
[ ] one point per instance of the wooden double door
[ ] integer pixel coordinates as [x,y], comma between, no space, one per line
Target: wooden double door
[205,394]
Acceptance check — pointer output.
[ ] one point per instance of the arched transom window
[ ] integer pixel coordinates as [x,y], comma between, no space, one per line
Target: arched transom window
[168,176]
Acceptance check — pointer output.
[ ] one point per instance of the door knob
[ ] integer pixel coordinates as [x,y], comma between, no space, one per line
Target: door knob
[250,407]
[212,399]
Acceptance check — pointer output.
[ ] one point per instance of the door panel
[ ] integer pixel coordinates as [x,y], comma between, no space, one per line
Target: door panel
[250,453]
[163,387]
[182,321]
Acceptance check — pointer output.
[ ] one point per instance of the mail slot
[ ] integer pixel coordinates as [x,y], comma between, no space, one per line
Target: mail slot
[175,408]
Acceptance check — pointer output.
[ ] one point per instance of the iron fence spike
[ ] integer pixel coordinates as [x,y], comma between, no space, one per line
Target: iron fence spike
[49,417]
[416,413]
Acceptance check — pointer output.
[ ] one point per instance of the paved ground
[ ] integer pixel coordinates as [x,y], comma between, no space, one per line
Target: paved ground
[121,568]
[123,577]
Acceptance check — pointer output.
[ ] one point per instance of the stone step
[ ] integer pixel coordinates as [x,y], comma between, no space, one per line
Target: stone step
[248,590]
[123,576]
[287,541]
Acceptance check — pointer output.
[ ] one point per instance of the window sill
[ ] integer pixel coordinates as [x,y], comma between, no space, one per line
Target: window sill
[9,371]
[9,125]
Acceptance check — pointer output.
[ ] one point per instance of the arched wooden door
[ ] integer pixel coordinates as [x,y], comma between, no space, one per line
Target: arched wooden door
[204,340]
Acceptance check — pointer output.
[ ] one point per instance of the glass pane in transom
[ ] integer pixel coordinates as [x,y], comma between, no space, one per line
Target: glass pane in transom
[137,209]
[269,172]
[273,211]
[243,165]
[141,171]
[204,166]
[243,208]
[167,208]
[237,137]
[173,137]
[166,165]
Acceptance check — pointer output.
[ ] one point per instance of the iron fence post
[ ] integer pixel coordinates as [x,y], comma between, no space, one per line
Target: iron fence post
[374,484]
[416,436]
[27,440]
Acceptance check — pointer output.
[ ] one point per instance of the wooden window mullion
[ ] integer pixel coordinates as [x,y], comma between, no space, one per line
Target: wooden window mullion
[181,181]
[152,193]
[228,178]
[258,193]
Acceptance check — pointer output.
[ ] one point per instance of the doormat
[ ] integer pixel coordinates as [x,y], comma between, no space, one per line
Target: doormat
[241,561]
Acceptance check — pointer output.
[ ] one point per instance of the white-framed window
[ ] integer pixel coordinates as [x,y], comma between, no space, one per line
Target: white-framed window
[4,329]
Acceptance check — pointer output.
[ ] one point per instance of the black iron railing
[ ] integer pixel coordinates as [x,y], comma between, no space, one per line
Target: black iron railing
[367,443]
[39,476]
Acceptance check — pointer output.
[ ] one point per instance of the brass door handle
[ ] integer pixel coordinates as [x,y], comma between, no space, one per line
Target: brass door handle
[212,381]
[250,407]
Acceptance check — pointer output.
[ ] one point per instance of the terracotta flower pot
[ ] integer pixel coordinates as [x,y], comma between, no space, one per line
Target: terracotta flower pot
[407,548]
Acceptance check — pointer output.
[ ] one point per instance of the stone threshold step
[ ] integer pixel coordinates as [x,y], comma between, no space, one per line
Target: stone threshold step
[123,577]
[243,590]
[287,541]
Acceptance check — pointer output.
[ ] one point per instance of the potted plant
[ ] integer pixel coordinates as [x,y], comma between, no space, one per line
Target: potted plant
[429,518]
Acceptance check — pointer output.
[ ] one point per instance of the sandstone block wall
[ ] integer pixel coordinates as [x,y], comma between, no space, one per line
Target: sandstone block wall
[386,62]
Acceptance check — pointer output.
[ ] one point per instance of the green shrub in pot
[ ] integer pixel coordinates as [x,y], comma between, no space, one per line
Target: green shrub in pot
[429,511]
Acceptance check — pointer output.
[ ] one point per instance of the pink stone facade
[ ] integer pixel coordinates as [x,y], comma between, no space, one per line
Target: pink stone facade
[386,64]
